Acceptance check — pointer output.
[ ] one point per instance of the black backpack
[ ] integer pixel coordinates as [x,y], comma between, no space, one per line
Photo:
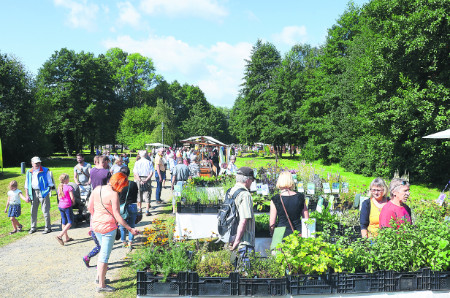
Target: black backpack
[228,217]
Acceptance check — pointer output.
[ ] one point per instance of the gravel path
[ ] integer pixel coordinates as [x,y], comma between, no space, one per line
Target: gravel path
[38,266]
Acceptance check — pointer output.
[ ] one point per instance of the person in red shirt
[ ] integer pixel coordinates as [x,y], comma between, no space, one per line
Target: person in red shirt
[396,208]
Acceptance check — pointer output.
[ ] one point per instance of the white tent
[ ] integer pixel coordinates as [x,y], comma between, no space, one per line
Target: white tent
[445,134]
[157,145]
[203,140]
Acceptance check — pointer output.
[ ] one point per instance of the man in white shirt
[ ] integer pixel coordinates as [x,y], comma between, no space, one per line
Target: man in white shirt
[38,185]
[143,172]
[82,175]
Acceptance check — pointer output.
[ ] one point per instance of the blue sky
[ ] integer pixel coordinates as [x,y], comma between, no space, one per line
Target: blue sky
[199,42]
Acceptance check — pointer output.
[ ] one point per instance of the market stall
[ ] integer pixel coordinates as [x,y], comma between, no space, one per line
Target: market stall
[201,143]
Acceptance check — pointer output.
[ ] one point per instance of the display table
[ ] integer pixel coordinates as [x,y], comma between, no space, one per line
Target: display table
[195,225]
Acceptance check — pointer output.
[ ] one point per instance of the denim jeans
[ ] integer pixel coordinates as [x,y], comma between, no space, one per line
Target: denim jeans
[106,244]
[159,184]
[131,221]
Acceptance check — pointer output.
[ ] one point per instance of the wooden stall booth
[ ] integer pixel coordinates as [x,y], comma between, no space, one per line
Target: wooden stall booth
[206,168]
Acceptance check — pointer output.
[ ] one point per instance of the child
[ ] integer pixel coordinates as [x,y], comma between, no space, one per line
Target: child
[66,200]
[13,203]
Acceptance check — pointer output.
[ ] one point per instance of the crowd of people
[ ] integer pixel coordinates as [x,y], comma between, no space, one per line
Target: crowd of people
[111,195]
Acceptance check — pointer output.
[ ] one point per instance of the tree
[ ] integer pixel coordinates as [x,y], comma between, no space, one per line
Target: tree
[75,95]
[135,75]
[164,114]
[21,134]
[136,127]
[249,116]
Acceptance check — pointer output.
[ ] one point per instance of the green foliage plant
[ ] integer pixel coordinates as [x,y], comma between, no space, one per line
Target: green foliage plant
[299,255]
[214,263]
[264,267]
[262,222]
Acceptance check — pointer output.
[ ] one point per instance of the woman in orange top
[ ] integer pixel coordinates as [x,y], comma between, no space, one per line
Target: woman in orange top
[104,207]
[371,208]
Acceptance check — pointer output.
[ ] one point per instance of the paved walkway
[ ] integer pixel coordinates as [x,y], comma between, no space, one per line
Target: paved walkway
[38,266]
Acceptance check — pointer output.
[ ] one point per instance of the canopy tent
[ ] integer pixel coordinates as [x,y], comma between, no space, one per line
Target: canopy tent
[445,134]
[157,145]
[203,140]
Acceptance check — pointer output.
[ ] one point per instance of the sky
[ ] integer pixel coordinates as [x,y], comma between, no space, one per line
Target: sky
[199,42]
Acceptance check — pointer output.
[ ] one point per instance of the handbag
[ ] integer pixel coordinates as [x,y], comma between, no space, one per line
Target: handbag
[278,233]
[124,207]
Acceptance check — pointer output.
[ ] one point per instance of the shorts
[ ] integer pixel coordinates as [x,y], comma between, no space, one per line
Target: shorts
[106,243]
[14,211]
[144,191]
[66,215]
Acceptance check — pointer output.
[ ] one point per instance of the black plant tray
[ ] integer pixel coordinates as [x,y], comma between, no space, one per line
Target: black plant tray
[148,284]
[310,284]
[197,208]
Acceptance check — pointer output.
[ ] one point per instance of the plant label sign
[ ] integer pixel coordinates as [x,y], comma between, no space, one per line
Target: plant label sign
[300,187]
[440,200]
[326,188]
[311,188]
[255,172]
[344,187]
[258,188]
[309,226]
[265,189]
[253,186]
[335,187]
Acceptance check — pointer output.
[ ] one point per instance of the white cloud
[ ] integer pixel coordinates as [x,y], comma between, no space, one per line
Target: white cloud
[128,14]
[217,70]
[81,15]
[208,9]
[292,35]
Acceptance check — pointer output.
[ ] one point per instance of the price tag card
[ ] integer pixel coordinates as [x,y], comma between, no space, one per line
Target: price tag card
[310,188]
[326,187]
[335,187]
[300,187]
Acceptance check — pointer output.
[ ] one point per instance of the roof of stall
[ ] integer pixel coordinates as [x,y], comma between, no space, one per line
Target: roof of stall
[203,140]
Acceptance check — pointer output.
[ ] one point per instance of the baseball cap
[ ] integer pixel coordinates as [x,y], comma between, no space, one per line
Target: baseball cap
[246,171]
[35,159]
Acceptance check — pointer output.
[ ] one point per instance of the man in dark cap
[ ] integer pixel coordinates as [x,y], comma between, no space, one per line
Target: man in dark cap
[245,235]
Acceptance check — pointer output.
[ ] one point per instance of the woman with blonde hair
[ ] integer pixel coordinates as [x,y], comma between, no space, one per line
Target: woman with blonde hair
[104,207]
[66,201]
[369,217]
[288,207]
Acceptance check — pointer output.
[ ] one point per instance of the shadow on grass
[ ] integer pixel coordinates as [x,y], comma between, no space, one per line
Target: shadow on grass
[9,175]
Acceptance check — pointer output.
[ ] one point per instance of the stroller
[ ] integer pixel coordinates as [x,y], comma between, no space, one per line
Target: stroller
[81,195]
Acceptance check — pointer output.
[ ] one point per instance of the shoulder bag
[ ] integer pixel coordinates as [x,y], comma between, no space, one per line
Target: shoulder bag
[124,206]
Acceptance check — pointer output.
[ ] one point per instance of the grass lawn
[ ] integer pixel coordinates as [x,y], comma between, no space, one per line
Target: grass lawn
[418,192]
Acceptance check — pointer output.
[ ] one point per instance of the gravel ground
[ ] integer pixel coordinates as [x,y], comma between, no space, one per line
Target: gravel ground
[38,266]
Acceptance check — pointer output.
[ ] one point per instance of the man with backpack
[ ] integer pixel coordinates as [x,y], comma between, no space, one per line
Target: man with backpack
[238,205]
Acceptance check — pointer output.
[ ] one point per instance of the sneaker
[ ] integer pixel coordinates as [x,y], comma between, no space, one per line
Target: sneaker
[148,213]
[31,231]
[86,261]
[106,289]
[46,231]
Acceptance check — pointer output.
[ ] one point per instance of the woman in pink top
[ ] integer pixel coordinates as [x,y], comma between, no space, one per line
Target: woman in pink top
[66,200]
[396,208]
[105,210]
